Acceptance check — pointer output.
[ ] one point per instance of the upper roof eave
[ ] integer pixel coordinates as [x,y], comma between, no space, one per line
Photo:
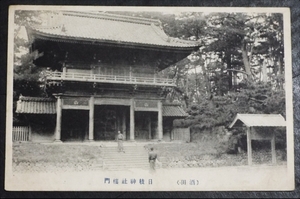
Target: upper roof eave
[110,16]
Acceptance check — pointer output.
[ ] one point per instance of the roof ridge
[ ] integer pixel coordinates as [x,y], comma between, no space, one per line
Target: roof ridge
[255,114]
[172,104]
[114,17]
[36,99]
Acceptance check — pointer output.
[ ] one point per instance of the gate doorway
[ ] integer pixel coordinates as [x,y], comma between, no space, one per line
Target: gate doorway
[146,125]
[109,119]
[75,125]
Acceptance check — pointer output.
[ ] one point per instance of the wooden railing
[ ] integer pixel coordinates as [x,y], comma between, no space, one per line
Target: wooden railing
[21,133]
[52,75]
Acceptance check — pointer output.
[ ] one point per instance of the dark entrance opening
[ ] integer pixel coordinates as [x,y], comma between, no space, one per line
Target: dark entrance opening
[75,125]
[109,119]
[145,125]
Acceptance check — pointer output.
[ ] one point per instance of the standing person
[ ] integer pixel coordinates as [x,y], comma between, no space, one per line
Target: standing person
[120,142]
[152,159]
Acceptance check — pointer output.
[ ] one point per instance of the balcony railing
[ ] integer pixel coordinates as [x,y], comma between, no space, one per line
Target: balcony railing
[70,76]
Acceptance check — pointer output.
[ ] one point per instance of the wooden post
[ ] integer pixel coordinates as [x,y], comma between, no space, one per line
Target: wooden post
[29,133]
[130,73]
[124,123]
[91,119]
[132,120]
[58,120]
[160,123]
[149,126]
[273,148]
[64,72]
[264,71]
[249,147]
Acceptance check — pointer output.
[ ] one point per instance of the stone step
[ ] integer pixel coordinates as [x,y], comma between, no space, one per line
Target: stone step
[120,161]
[120,154]
[124,154]
[126,150]
[126,161]
[122,167]
[125,147]
[142,157]
[134,157]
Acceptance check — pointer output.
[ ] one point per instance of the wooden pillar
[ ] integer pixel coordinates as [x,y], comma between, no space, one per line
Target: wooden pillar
[124,123]
[64,72]
[91,119]
[273,148]
[160,122]
[172,133]
[149,126]
[118,123]
[130,73]
[29,133]
[249,147]
[58,120]
[132,120]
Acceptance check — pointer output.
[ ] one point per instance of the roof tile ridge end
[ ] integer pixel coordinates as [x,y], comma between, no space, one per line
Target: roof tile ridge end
[160,32]
[170,39]
[184,41]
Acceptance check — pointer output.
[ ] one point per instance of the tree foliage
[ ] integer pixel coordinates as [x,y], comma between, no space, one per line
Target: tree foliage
[26,74]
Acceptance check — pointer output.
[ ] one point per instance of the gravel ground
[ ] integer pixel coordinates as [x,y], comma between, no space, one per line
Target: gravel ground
[72,167]
[36,157]
[52,158]
[213,160]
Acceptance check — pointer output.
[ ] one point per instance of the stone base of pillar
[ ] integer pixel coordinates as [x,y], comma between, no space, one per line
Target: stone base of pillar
[89,140]
[131,140]
[57,141]
[156,140]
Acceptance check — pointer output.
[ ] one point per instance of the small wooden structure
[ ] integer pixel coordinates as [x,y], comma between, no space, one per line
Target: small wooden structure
[259,120]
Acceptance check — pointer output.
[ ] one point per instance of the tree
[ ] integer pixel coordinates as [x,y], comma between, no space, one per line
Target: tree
[26,74]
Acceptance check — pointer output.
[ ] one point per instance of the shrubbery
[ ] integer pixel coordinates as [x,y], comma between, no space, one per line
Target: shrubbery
[213,113]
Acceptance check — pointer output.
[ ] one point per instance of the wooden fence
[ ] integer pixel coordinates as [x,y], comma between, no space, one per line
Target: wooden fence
[21,133]
[181,134]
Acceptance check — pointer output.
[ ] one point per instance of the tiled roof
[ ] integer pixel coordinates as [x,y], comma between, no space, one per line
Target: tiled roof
[262,120]
[173,111]
[111,28]
[36,105]
[36,99]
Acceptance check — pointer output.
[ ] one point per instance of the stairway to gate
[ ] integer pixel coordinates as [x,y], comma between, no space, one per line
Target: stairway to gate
[134,157]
